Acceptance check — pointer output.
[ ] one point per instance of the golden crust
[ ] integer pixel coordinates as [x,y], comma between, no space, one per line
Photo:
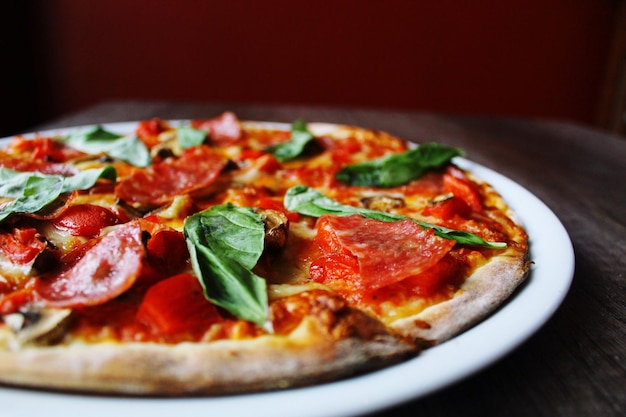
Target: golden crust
[323,347]
[480,295]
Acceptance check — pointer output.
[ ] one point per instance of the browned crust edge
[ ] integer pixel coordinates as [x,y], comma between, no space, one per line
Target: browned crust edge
[488,288]
[313,353]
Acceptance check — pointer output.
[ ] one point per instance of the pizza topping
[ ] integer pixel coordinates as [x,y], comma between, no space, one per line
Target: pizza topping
[188,137]
[224,129]
[297,143]
[33,191]
[398,168]
[276,227]
[194,171]
[105,270]
[176,305]
[21,245]
[43,326]
[173,142]
[225,243]
[85,220]
[447,207]
[148,131]
[97,140]
[456,183]
[382,203]
[386,252]
[44,149]
[167,254]
[310,202]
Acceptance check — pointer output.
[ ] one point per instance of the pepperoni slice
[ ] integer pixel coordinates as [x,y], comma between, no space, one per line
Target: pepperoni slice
[197,168]
[387,252]
[223,129]
[104,271]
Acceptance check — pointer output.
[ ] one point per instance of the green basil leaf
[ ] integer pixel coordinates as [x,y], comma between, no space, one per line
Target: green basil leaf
[86,179]
[36,193]
[13,182]
[310,202]
[225,242]
[188,137]
[397,169]
[234,232]
[130,149]
[98,133]
[98,140]
[32,191]
[294,147]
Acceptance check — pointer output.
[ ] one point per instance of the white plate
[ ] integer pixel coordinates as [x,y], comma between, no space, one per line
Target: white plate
[550,278]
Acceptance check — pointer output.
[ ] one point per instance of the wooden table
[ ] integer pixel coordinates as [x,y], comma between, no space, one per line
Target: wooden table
[575,365]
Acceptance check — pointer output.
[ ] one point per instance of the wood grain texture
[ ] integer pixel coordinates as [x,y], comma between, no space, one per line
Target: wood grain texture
[575,365]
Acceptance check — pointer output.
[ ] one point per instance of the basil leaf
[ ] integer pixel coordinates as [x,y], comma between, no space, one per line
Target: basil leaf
[188,137]
[130,149]
[294,147]
[398,169]
[36,193]
[86,179]
[310,202]
[234,232]
[98,140]
[32,191]
[225,242]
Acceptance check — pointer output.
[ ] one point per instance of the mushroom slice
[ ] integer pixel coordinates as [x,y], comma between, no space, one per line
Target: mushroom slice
[276,228]
[382,202]
[44,326]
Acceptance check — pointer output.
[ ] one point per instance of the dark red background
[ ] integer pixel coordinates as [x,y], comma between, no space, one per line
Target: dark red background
[530,58]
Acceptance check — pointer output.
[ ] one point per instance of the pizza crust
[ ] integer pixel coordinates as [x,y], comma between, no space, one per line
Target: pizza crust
[320,349]
[481,294]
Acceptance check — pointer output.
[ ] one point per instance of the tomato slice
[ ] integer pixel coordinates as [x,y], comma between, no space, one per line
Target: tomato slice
[13,301]
[177,304]
[149,130]
[455,182]
[21,246]
[448,209]
[429,282]
[340,272]
[44,149]
[85,220]
[327,238]
[167,251]
[272,204]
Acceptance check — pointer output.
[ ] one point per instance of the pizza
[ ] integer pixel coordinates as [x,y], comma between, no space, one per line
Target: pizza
[219,256]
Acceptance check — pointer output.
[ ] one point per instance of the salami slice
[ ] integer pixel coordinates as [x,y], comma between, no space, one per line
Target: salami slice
[104,271]
[223,129]
[387,252]
[197,168]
